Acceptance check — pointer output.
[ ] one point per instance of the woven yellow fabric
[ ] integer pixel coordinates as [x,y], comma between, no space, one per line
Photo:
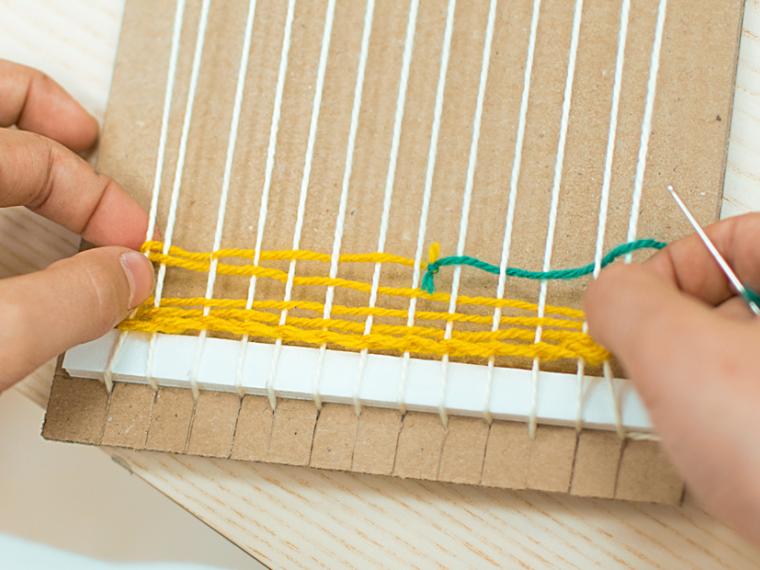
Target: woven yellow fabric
[562,332]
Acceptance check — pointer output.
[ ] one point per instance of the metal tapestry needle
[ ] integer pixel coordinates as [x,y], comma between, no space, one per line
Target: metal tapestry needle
[719,259]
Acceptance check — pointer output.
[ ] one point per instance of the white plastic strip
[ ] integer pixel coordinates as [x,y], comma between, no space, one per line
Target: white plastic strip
[512,388]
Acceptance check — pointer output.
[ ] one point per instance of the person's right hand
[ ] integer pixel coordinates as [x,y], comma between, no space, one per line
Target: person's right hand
[80,298]
[692,348]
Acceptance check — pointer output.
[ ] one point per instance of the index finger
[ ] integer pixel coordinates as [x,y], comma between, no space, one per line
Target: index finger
[56,183]
[32,101]
[689,265]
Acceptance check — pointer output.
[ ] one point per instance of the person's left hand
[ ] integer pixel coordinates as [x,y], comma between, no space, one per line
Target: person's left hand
[80,298]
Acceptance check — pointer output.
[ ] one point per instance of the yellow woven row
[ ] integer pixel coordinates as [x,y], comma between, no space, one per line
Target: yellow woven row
[201,262]
[569,345]
[365,311]
[562,337]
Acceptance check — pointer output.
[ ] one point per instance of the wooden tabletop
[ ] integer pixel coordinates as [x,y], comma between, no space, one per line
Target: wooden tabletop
[303,517]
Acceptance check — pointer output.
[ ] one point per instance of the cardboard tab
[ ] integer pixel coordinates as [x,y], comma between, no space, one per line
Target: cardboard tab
[170,422]
[646,474]
[419,446]
[596,464]
[129,414]
[334,437]
[213,424]
[463,450]
[551,459]
[292,432]
[506,457]
[254,429]
[76,410]
[376,440]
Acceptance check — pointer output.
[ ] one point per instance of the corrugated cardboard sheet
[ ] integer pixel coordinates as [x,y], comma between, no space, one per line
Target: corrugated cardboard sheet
[687,147]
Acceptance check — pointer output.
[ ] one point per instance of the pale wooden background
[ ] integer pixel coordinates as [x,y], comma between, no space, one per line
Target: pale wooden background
[302,517]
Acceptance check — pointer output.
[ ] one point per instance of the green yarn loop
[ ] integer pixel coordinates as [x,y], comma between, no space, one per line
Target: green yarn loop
[428,280]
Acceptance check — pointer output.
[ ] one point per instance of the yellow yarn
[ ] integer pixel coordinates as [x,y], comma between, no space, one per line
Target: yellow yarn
[201,262]
[562,337]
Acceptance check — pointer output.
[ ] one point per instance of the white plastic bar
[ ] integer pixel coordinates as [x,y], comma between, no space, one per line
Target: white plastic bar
[512,388]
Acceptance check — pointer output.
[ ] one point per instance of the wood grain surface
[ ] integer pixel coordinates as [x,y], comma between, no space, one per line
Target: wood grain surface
[302,517]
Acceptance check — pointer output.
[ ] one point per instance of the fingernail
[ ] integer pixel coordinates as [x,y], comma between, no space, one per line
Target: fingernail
[139,273]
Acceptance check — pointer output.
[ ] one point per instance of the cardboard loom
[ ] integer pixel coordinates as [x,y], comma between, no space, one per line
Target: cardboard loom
[687,147]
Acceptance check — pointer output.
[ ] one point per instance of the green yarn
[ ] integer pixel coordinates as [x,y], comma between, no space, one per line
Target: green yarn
[428,280]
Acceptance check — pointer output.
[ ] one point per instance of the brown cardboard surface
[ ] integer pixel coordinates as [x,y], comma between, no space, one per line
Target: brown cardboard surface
[376,440]
[551,459]
[467,451]
[694,95]
[334,437]
[254,429]
[419,446]
[213,424]
[463,450]
[292,432]
[597,459]
[129,414]
[170,422]
[507,454]
[76,410]
[646,474]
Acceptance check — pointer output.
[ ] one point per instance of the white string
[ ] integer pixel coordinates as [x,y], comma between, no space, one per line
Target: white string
[646,124]
[171,73]
[304,191]
[554,205]
[608,376]
[343,202]
[177,182]
[464,218]
[268,170]
[428,189]
[512,199]
[389,183]
[604,199]
[226,182]
[638,184]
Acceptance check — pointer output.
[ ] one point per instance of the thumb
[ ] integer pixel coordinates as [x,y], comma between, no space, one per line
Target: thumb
[663,337]
[72,301]
[695,369]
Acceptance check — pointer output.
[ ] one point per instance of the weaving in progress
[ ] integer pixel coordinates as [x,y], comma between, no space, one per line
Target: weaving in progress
[373,224]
